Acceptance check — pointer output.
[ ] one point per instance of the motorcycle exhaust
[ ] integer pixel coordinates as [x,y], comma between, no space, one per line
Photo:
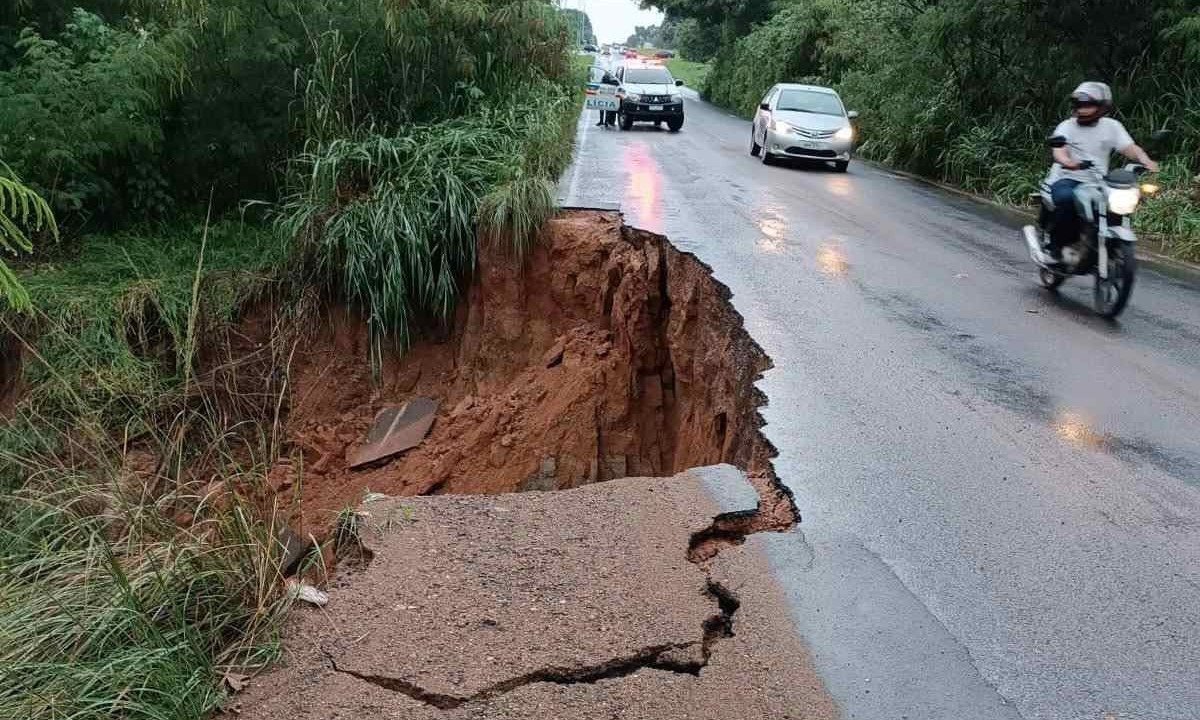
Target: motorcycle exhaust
[1034,241]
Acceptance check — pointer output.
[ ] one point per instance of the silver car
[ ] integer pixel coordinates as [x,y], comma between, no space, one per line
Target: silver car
[804,122]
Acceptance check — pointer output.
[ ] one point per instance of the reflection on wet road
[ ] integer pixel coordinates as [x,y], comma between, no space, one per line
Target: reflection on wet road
[644,187]
[1001,492]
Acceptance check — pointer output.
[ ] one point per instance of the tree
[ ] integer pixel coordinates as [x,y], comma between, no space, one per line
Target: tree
[696,41]
[580,26]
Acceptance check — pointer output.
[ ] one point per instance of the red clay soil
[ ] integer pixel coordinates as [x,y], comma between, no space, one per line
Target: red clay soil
[607,353]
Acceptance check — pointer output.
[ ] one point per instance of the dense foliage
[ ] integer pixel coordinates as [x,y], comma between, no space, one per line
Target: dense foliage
[171,163]
[579,26]
[965,91]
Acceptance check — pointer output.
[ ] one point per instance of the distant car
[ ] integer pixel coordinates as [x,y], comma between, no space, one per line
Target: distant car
[664,54]
[589,48]
[803,121]
[650,94]
[631,54]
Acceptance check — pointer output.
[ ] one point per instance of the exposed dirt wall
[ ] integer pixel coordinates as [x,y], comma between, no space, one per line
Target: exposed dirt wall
[606,353]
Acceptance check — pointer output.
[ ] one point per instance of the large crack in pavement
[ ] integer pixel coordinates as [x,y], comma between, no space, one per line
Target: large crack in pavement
[661,657]
[672,657]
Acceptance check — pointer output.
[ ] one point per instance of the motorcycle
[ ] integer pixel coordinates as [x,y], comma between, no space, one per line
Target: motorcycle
[1104,205]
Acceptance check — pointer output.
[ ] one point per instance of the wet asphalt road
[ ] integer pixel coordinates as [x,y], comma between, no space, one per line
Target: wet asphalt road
[1001,492]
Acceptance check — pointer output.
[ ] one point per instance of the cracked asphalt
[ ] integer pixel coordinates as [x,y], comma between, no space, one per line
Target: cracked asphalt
[1001,492]
[543,606]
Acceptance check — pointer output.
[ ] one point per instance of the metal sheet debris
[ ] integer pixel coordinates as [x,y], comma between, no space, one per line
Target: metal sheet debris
[397,429]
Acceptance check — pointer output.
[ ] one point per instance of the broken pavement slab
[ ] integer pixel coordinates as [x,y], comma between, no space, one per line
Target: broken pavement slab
[579,603]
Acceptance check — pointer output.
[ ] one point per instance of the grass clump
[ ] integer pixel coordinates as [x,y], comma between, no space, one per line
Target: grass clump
[390,221]
[693,74]
[128,585]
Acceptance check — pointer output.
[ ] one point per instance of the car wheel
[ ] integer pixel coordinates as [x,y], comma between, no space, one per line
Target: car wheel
[626,122]
[674,124]
[841,165]
[755,148]
[766,157]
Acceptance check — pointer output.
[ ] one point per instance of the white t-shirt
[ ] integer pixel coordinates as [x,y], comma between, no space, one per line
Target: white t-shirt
[1089,142]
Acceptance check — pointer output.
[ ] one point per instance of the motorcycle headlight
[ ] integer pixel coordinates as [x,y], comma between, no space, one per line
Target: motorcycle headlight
[1123,201]
[846,133]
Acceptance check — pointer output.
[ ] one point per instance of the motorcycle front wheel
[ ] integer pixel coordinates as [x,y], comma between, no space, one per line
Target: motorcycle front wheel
[1112,294]
[1050,279]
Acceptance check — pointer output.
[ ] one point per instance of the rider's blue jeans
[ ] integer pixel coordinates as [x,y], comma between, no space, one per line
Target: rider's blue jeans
[1066,224]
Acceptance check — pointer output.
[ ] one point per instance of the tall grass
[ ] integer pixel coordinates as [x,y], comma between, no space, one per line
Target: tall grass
[129,579]
[390,222]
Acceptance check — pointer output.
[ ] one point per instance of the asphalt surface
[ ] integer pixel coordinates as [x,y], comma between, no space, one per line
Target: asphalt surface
[1001,491]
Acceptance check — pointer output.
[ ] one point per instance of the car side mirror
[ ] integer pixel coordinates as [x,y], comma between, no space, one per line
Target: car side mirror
[678,83]
[1056,141]
[765,106]
[852,115]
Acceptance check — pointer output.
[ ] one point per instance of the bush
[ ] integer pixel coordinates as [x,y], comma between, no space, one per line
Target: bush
[79,119]
[787,48]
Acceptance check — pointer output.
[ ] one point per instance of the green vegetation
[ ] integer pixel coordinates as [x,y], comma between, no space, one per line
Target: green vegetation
[964,91]
[693,74]
[579,26]
[20,208]
[182,167]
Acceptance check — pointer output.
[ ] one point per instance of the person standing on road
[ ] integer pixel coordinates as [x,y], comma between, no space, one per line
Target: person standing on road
[608,118]
[1092,138]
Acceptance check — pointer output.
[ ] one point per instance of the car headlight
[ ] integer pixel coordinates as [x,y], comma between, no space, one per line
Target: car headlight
[846,133]
[632,97]
[676,98]
[1123,201]
[781,126]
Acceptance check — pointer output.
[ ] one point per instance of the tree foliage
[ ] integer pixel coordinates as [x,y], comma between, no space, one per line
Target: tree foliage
[579,25]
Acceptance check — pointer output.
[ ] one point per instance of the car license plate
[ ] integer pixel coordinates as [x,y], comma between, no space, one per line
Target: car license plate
[810,145]
[656,108]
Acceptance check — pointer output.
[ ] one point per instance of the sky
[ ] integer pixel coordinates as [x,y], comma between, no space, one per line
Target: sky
[613,20]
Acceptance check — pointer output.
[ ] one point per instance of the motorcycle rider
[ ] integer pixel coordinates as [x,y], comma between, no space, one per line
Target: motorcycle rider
[1092,137]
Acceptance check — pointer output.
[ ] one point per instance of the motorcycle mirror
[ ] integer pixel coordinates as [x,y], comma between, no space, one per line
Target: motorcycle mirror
[1056,141]
[1160,135]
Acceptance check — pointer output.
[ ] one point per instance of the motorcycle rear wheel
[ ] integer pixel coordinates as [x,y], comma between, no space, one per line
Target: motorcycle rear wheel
[1112,295]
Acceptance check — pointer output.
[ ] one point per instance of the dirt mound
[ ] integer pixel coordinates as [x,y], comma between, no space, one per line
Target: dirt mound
[607,353]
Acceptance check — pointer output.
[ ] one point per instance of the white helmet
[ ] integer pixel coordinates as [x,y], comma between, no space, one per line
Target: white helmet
[1095,94]
[1092,93]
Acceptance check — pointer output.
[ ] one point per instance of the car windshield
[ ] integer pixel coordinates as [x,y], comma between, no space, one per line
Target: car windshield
[648,76]
[809,101]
